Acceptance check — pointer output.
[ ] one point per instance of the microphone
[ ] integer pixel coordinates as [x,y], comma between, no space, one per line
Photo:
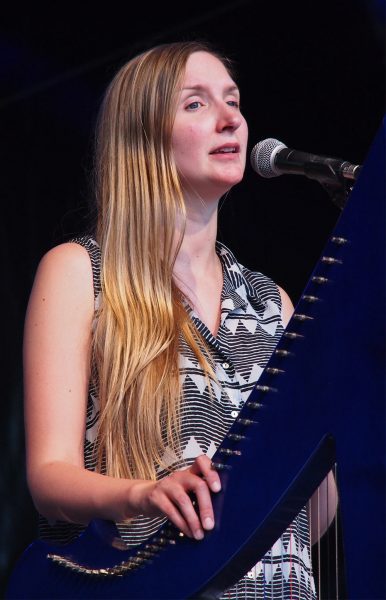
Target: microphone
[271,158]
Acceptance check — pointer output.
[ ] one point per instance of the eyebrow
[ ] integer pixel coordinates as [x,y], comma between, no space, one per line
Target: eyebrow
[201,88]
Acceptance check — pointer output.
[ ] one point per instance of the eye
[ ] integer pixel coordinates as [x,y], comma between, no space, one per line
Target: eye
[194,105]
[234,103]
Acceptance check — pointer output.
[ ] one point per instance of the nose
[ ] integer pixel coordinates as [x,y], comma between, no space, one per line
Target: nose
[229,117]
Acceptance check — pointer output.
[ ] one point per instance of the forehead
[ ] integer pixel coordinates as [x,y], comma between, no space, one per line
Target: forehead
[204,68]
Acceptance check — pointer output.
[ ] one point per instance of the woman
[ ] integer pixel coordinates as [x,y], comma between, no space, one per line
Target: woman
[135,362]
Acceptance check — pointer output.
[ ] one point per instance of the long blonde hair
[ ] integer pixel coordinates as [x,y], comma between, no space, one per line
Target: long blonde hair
[142,315]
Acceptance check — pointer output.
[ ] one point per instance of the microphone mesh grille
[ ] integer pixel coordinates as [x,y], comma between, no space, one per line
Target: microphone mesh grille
[261,157]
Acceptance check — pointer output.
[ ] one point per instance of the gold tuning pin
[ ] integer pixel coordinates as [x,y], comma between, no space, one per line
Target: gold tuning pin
[265,388]
[339,240]
[230,452]
[302,317]
[283,353]
[291,335]
[236,437]
[220,466]
[255,405]
[319,280]
[330,260]
[247,422]
[309,298]
[274,371]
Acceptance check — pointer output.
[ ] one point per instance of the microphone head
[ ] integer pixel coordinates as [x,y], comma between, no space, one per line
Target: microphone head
[263,155]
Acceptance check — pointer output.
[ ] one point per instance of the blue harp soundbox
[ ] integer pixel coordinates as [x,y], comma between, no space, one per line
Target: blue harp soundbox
[319,402]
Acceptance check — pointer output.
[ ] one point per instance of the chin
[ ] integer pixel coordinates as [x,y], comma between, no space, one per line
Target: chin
[229,182]
[219,191]
[215,187]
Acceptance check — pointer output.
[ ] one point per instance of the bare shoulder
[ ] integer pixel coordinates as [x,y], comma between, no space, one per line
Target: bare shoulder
[66,271]
[62,292]
[70,259]
[287,307]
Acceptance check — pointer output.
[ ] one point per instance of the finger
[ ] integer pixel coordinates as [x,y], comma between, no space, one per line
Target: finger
[160,503]
[185,507]
[174,515]
[203,466]
[204,501]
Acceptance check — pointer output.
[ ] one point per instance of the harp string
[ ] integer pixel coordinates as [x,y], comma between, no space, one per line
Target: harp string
[337,566]
[325,536]
[325,570]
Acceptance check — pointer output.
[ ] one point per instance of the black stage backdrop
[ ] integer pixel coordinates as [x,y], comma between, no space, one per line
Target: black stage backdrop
[311,75]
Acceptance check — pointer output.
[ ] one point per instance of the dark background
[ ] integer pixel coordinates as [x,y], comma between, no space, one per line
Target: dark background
[311,74]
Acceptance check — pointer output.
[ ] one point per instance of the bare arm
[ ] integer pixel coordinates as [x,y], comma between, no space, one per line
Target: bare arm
[322,507]
[56,374]
[287,307]
[56,370]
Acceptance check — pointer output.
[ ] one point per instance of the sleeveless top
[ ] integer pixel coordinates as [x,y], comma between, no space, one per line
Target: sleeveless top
[250,328]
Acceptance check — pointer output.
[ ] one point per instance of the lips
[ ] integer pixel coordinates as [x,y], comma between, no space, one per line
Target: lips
[226,149]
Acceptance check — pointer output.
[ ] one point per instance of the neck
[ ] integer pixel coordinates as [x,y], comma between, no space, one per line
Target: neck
[197,253]
[197,270]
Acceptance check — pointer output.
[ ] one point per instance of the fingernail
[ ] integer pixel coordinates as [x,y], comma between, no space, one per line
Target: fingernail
[208,523]
[198,534]
[216,486]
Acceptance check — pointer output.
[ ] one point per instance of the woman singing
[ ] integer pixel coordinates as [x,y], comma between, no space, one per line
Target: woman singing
[143,341]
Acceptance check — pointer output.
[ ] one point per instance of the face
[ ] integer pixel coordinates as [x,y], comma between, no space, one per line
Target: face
[209,137]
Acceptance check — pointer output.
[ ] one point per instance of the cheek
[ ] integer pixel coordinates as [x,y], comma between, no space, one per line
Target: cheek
[185,142]
[244,129]
[243,137]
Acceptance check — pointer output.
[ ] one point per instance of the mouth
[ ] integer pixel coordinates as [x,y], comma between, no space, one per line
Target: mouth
[226,149]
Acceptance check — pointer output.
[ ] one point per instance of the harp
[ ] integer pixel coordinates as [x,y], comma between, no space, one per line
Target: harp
[326,372]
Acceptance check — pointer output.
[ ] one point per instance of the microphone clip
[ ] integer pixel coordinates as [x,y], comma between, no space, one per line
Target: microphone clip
[338,192]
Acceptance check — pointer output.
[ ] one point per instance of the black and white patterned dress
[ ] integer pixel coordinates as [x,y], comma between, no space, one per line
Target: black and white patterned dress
[250,328]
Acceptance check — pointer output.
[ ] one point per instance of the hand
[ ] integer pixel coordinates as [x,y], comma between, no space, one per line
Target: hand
[170,497]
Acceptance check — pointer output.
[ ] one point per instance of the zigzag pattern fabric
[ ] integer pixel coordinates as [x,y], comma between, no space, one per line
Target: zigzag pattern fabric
[250,328]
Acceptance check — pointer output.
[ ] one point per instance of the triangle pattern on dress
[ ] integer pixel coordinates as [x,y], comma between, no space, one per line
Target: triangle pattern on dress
[211,450]
[241,291]
[187,363]
[216,389]
[269,571]
[249,324]
[192,449]
[234,396]
[199,381]
[232,324]
[169,458]
[255,373]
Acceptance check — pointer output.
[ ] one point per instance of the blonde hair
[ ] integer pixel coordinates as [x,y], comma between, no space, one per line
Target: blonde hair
[136,340]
